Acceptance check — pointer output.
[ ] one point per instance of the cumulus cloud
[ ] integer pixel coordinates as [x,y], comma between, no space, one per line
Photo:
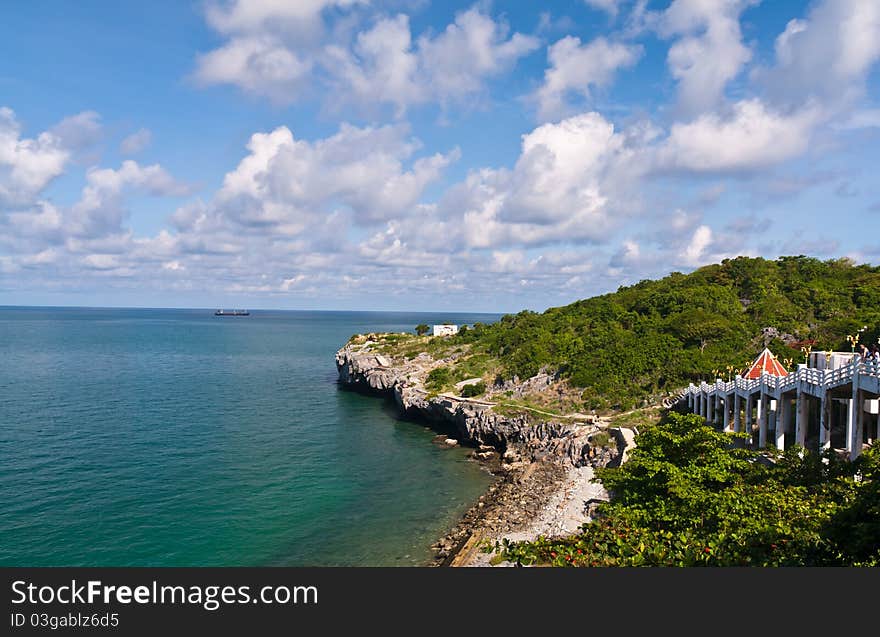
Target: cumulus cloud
[826,56]
[580,68]
[386,65]
[248,16]
[286,182]
[564,186]
[586,203]
[748,137]
[27,165]
[136,142]
[272,46]
[279,50]
[261,65]
[100,210]
[78,131]
[707,52]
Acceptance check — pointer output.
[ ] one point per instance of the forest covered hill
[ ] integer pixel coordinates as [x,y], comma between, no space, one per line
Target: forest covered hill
[656,336]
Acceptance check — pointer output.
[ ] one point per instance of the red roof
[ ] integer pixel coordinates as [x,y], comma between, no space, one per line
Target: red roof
[766,362]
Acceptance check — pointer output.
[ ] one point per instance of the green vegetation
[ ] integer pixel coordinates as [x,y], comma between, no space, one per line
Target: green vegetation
[438,379]
[422,329]
[656,336]
[690,496]
[632,347]
[474,389]
[637,418]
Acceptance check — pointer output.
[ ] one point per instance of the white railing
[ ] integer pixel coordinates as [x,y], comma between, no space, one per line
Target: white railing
[827,378]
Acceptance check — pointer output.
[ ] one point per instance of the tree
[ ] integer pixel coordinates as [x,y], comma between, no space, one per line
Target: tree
[688,496]
[422,329]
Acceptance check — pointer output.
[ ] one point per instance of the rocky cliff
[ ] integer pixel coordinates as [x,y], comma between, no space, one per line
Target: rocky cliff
[517,437]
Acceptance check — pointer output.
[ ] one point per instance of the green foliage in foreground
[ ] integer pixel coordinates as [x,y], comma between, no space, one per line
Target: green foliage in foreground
[656,336]
[689,496]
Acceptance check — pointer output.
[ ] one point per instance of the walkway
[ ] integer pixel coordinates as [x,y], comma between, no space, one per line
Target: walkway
[804,402]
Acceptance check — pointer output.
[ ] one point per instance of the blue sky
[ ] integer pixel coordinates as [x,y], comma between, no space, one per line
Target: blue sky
[488,156]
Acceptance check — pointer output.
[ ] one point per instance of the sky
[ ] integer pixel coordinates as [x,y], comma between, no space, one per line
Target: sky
[417,155]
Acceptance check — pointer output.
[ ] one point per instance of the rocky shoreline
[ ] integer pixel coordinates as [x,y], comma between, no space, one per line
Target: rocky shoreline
[544,468]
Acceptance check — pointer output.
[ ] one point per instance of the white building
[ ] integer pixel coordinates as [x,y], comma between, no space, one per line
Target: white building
[445,330]
[831,360]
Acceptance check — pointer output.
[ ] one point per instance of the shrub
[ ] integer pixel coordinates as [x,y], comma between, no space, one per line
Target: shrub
[438,378]
[474,389]
[688,496]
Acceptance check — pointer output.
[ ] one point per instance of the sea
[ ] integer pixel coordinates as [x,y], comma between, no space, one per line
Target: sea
[173,437]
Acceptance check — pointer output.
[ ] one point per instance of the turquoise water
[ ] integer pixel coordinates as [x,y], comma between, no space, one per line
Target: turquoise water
[176,438]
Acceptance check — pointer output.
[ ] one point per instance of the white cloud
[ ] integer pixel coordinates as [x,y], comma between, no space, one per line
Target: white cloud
[611,7]
[42,221]
[865,118]
[559,173]
[272,45]
[260,65]
[694,253]
[826,56]
[136,142]
[27,165]
[382,67]
[281,50]
[708,51]
[385,66]
[567,185]
[577,68]
[286,182]
[248,16]
[471,49]
[78,131]
[101,208]
[749,137]
[629,254]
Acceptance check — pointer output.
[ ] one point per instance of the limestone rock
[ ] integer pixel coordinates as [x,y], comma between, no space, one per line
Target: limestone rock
[515,436]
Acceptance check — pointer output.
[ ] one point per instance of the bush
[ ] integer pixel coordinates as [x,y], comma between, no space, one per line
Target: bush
[474,389]
[688,496]
[438,378]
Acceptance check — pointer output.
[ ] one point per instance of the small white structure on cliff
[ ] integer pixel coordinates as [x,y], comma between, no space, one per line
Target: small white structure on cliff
[445,330]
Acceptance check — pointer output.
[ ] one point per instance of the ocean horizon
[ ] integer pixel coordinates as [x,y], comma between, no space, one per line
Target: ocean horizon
[172,437]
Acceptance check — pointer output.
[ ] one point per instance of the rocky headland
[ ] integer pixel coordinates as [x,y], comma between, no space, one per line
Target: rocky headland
[544,461]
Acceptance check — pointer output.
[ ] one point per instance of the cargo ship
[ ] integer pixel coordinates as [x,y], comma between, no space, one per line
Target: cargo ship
[232,313]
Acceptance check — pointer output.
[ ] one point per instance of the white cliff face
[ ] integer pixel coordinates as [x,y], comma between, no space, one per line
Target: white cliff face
[475,421]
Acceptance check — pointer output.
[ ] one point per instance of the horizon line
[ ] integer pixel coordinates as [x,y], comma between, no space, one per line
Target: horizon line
[249,309]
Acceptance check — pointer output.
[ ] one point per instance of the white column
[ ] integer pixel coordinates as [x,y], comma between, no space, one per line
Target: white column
[825,422]
[854,413]
[860,424]
[850,426]
[801,418]
[726,412]
[783,420]
[749,417]
[763,412]
[737,415]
